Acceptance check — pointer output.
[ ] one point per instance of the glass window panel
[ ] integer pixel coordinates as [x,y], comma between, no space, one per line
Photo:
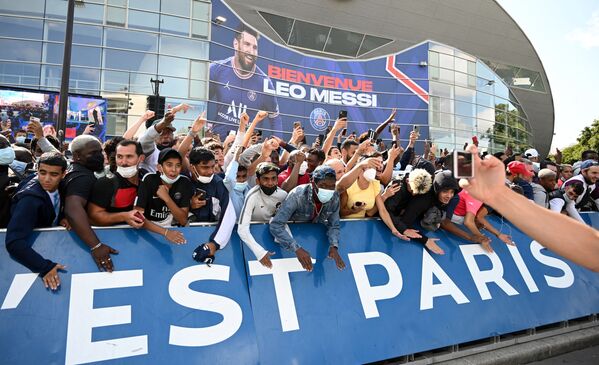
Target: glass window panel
[201,10]
[309,35]
[465,123]
[175,87]
[463,94]
[464,56]
[199,29]
[465,109]
[461,65]
[197,89]
[371,43]
[446,75]
[20,28]
[471,68]
[152,5]
[16,50]
[501,89]
[485,113]
[198,70]
[116,16]
[446,61]
[130,40]
[443,138]
[19,73]
[461,79]
[92,13]
[55,31]
[500,104]
[172,66]
[483,71]
[343,42]
[442,90]
[433,73]
[177,7]
[87,34]
[126,81]
[143,20]
[174,25]
[80,55]
[471,81]
[281,25]
[23,7]
[117,2]
[484,126]
[485,85]
[441,49]
[181,47]
[462,137]
[130,61]
[538,84]
[56,9]
[81,79]
[433,58]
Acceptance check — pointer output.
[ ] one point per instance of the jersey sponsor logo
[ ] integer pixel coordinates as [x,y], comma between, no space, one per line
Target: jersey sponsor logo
[319,119]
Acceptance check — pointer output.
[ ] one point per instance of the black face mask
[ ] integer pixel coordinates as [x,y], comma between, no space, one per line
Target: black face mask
[268,191]
[95,162]
[161,147]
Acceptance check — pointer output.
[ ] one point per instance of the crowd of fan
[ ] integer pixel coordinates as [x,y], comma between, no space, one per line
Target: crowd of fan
[161,181]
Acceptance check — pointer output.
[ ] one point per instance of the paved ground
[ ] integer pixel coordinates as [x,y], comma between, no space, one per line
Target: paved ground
[588,356]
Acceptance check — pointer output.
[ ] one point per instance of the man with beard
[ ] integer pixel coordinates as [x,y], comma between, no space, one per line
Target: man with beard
[158,137]
[236,85]
[78,184]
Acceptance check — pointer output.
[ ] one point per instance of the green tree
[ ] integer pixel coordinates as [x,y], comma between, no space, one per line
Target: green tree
[588,140]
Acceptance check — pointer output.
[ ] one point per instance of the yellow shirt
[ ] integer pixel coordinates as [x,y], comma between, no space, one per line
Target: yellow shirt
[368,196]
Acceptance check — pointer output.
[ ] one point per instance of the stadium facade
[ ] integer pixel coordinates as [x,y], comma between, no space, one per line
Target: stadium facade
[455,68]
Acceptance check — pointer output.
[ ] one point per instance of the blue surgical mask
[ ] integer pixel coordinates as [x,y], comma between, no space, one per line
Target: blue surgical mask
[18,166]
[324,195]
[240,186]
[7,156]
[20,139]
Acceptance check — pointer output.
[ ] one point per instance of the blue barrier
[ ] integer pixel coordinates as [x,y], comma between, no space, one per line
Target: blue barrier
[394,298]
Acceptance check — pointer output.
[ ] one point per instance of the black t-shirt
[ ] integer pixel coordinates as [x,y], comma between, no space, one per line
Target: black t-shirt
[155,209]
[115,194]
[79,181]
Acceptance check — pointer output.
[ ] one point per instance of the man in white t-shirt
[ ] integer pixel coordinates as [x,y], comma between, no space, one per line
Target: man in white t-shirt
[261,204]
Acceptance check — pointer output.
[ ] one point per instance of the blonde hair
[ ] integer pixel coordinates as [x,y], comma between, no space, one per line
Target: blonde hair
[420,181]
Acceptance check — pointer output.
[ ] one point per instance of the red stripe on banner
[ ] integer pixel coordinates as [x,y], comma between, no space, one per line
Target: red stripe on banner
[404,79]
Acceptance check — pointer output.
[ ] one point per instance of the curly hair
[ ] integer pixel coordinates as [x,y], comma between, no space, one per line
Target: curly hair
[420,181]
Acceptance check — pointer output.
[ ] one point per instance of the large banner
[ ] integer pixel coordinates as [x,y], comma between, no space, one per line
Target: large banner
[394,298]
[249,72]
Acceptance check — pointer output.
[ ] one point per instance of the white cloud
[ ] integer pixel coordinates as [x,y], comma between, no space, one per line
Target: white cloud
[587,36]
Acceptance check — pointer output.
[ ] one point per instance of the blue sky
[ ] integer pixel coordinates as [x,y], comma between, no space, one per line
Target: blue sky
[565,34]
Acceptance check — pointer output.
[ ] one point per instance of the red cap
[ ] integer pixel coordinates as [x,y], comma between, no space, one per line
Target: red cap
[518,168]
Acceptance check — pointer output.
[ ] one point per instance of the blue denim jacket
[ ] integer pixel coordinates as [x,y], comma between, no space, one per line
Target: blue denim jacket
[299,207]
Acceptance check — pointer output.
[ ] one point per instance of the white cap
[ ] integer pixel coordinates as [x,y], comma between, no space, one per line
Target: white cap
[531,152]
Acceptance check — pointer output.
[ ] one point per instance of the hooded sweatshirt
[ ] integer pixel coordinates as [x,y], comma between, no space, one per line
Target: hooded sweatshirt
[31,208]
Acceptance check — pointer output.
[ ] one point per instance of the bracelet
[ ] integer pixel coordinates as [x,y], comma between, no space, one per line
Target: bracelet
[192,133]
[165,232]
[96,246]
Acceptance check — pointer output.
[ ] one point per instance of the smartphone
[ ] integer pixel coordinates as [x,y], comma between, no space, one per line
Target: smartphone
[139,215]
[232,132]
[321,139]
[342,114]
[95,116]
[475,140]
[297,124]
[463,167]
[329,129]
[415,128]
[371,134]
[391,128]
[200,193]
[343,132]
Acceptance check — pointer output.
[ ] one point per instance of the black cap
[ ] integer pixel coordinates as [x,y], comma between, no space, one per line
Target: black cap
[167,153]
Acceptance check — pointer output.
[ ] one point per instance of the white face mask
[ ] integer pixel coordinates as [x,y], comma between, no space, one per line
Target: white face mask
[324,195]
[168,180]
[202,179]
[127,172]
[303,168]
[369,174]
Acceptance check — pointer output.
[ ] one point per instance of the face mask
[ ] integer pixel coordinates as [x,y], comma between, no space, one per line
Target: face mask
[267,190]
[95,162]
[168,180]
[303,168]
[7,156]
[202,179]
[325,195]
[100,174]
[537,165]
[369,174]
[240,186]
[127,172]
[20,139]
[18,166]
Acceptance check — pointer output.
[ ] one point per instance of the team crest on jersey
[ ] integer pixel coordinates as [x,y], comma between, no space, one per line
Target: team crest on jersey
[252,95]
[319,119]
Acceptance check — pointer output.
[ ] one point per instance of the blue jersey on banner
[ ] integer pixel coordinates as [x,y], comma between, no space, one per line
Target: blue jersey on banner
[236,93]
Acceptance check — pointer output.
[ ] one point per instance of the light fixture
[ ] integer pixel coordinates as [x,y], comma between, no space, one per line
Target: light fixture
[490,82]
[423,64]
[220,20]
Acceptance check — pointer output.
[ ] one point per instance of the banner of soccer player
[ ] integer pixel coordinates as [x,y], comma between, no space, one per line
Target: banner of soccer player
[249,72]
